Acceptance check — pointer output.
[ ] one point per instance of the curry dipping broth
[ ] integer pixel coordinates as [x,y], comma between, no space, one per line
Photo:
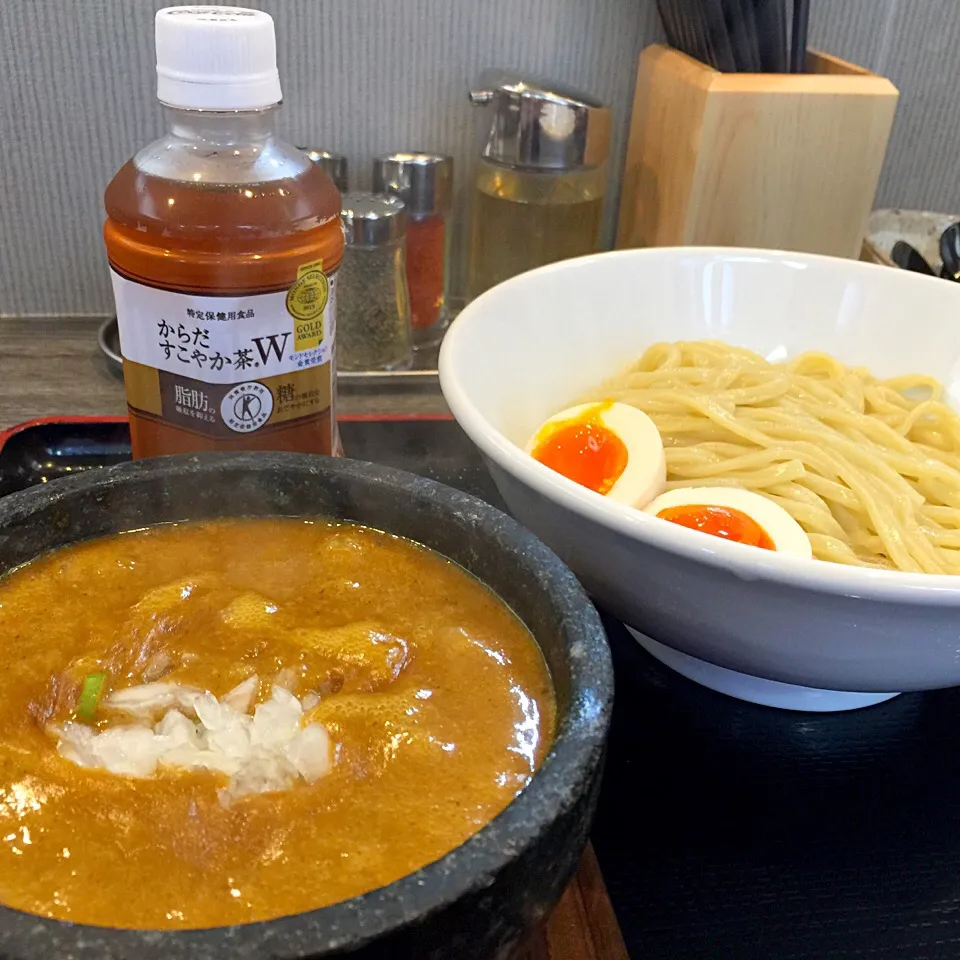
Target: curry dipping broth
[435,699]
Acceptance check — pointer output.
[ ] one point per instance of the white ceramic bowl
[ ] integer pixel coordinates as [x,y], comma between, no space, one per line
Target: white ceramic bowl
[535,344]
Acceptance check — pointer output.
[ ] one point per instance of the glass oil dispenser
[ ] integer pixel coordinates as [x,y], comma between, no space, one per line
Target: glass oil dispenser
[540,177]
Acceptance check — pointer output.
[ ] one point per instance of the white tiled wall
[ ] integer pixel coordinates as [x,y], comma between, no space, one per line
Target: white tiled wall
[367,76]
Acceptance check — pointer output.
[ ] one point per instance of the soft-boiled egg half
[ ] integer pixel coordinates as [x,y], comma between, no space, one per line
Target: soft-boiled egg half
[733,514]
[610,448]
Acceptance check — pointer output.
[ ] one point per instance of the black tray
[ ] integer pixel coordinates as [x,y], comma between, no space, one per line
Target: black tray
[725,830]
[434,447]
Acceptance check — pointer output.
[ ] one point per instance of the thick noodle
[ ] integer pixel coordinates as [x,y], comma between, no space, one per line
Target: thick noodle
[869,468]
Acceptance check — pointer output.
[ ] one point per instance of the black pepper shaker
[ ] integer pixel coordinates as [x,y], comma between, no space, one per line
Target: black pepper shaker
[373,304]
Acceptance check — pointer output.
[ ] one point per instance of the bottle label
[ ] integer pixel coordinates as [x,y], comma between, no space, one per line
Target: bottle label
[225,366]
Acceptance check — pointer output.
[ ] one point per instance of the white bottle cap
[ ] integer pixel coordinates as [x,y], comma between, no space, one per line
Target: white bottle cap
[216,58]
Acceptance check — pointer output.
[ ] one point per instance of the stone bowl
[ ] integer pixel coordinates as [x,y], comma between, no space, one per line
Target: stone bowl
[486,896]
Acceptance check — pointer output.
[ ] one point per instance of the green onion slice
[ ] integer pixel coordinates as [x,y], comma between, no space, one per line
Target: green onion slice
[90,695]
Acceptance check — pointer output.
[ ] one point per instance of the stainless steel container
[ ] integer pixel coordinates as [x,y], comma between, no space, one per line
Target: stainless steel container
[424,182]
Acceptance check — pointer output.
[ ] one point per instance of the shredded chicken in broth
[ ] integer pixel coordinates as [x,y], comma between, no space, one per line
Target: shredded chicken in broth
[214,723]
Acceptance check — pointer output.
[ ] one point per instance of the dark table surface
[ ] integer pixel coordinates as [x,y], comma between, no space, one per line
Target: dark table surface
[732,830]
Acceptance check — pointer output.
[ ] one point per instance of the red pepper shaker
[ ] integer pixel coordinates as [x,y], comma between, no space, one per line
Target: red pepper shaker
[424,182]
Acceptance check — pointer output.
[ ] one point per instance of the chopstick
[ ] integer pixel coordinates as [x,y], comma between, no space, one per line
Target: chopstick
[747,36]
[751,40]
[686,28]
[771,20]
[693,14]
[668,10]
[722,49]
[736,31]
[798,36]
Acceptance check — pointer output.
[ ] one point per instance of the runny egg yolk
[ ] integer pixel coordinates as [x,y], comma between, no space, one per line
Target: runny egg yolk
[725,522]
[584,450]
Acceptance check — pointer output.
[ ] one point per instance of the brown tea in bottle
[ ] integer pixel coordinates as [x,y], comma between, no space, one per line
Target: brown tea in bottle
[224,243]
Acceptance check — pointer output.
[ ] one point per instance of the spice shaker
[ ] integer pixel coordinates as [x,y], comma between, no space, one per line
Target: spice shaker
[334,165]
[373,310]
[424,182]
[540,178]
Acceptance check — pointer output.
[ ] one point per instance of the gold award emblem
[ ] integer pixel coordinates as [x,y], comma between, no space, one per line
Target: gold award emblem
[306,301]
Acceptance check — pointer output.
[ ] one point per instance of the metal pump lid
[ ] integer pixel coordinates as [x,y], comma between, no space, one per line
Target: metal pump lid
[542,125]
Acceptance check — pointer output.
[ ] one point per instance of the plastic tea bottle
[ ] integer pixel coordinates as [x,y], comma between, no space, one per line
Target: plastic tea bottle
[224,243]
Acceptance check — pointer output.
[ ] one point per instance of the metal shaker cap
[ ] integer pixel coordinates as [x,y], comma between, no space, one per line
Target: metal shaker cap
[370,220]
[333,164]
[540,124]
[423,181]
